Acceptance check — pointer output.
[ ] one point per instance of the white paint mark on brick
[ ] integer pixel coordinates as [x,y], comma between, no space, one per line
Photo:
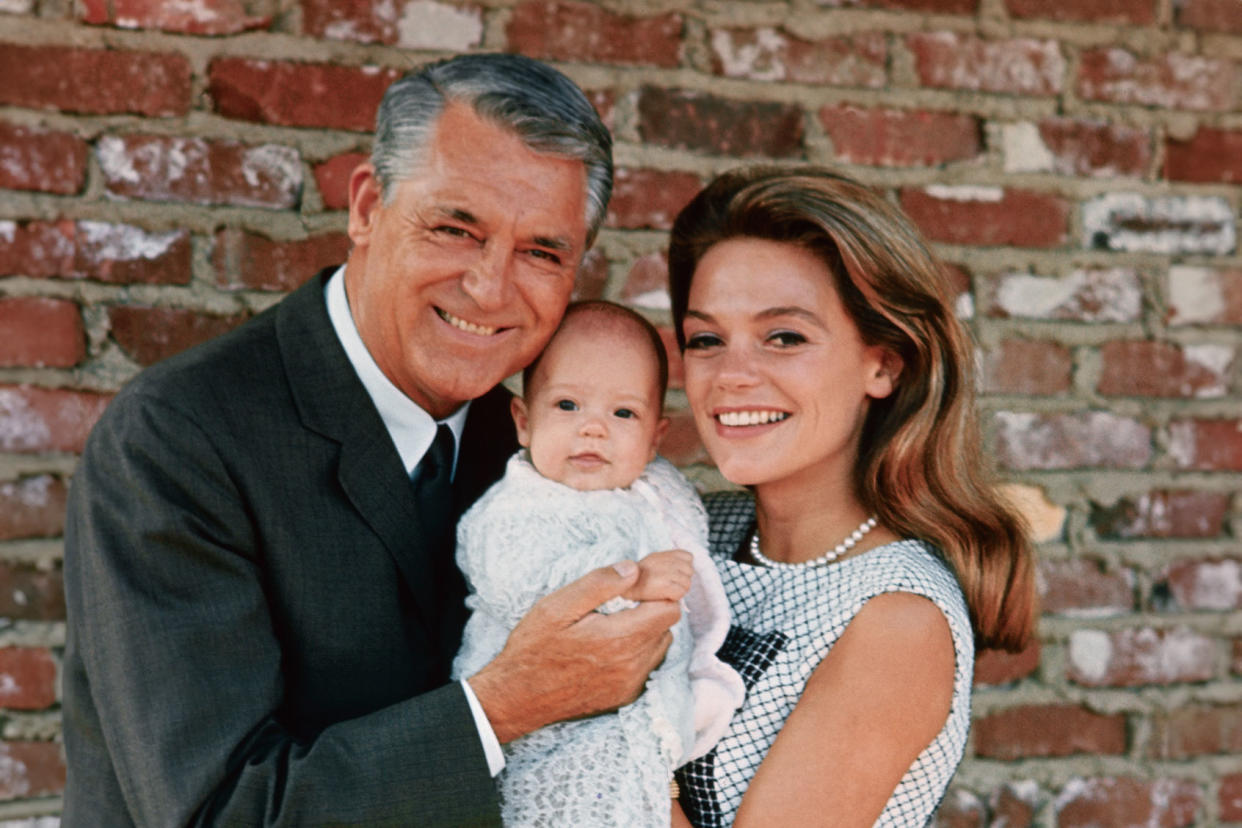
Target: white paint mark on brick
[961,192]
[1195,295]
[1090,295]
[8,231]
[196,10]
[1213,358]
[272,163]
[1025,150]
[21,429]
[760,60]
[120,242]
[1217,586]
[964,305]
[429,25]
[17,6]
[1091,652]
[1164,224]
[32,492]
[115,161]
[14,776]
[1183,444]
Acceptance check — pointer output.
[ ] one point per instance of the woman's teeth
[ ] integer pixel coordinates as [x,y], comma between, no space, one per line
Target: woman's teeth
[468,327]
[750,418]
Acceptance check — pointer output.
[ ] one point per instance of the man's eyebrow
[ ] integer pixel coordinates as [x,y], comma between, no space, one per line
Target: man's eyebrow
[554,243]
[458,213]
[558,243]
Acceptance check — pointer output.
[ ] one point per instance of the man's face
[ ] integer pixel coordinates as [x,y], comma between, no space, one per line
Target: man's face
[462,277]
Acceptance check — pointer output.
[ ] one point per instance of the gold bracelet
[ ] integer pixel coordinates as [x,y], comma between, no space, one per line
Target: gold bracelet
[674,791]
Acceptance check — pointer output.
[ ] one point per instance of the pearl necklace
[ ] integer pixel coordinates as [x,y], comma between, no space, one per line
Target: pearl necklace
[826,558]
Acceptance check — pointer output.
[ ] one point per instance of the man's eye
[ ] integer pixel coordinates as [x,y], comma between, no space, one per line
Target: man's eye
[567,405]
[701,341]
[624,413]
[457,232]
[546,255]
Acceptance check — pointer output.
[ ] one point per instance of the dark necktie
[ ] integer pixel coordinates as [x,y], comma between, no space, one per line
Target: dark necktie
[433,488]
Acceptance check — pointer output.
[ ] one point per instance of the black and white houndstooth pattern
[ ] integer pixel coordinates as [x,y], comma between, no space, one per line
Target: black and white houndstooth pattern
[784,623]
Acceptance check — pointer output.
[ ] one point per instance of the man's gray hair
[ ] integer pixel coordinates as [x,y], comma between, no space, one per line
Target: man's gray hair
[541,106]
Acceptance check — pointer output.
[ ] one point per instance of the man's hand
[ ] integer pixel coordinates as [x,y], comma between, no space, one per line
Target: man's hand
[564,660]
[662,576]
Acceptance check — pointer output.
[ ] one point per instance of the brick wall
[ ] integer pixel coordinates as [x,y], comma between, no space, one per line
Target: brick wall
[167,170]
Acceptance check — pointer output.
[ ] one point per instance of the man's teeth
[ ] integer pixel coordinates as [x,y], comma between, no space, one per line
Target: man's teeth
[750,418]
[468,327]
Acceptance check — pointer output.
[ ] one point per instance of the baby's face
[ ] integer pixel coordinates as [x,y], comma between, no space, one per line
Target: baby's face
[593,418]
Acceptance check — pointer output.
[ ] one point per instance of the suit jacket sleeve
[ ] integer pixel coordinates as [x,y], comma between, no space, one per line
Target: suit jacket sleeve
[181,660]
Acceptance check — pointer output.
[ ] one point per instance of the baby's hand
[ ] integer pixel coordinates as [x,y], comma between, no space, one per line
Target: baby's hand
[662,576]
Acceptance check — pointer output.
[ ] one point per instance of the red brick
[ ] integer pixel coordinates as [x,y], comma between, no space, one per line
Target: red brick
[1174,81]
[988,216]
[42,160]
[676,368]
[1084,588]
[1200,731]
[1082,440]
[1084,295]
[1012,808]
[649,199]
[1211,155]
[160,168]
[646,285]
[900,138]
[932,6]
[605,103]
[960,809]
[248,260]
[115,253]
[1133,12]
[1211,584]
[769,54]
[1231,797]
[364,21]
[94,81]
[27,678]
[1206,445]
[592,278]
[1019,366]
[148,335]
[29,769]
[32,507]
[38,332]
[681,445]
[1081,148]
[299,94]
[332,178]
[1182,513]
[587,32]
[1048,730]
[1020,66]
[1211,15]
[203,17]
[47,419]
[1141,368]
[1000,667]
[1201,295]
[689,120]
[1137,657]
[1162,803]
[30,594]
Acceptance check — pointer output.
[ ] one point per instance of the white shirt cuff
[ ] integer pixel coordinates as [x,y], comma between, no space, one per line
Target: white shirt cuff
[487,736]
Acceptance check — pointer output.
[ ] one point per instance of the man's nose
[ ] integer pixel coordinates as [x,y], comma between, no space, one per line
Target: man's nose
[489,280]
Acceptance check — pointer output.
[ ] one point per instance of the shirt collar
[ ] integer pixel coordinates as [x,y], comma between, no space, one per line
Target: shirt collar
[412,429]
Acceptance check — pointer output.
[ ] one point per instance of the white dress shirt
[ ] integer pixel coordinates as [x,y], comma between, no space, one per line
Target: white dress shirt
[412,430]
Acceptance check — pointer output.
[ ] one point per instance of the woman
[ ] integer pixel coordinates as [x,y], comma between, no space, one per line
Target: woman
[829,376]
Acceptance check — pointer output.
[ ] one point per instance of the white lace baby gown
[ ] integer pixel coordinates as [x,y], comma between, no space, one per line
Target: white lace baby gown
[528,536]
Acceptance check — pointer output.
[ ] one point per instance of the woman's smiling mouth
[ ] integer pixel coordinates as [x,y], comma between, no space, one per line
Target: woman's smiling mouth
[750,418]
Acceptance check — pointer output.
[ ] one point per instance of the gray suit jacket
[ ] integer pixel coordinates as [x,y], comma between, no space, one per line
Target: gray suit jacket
[256,635]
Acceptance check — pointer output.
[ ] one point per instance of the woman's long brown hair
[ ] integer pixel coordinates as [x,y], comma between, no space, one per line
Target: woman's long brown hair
[920,466]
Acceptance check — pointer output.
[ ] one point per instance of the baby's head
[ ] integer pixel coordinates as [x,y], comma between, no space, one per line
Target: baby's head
[591,412]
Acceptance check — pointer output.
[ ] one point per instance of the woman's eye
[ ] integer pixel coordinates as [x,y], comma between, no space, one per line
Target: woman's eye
[624,413]
[701,341]
[787,338]
[567,405]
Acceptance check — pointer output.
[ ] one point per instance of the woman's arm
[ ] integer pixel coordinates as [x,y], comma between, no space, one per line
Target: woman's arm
[875,702]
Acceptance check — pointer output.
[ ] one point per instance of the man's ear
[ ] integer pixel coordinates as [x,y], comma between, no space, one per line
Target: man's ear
[885,368]
[365,200]
[660,431]
[521,420]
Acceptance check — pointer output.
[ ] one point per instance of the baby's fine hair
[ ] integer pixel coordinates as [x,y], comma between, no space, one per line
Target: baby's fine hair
[618,313]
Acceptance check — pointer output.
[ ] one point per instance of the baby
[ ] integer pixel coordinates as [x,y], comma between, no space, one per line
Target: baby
[588,490]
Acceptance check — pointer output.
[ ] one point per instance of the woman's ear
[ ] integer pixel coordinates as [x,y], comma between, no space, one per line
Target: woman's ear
[884,368]
[521,420]
[365,200]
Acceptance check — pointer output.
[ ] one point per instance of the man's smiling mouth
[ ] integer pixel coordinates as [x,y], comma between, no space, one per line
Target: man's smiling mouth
[468,327]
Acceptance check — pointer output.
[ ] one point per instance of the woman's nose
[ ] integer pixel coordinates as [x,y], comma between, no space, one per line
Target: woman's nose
[736,368]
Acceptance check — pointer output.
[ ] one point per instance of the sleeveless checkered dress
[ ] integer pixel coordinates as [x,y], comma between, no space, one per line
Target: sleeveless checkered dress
[784,623]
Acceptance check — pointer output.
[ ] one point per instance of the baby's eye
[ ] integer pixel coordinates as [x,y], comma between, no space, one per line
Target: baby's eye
[567,405]
[702,341]
[787,338]
[624,413]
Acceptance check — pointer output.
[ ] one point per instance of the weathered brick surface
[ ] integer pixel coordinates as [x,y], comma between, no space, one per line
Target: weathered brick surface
[248,260]
[987,216]
[1068,146]
[647,198]
[27,678]
[414,24]
[30,594]
[41,159]
[115,253]
[1210,15]
[1211,585]
[1136,12]
[332,178]
[646,285]
[592,278]
[203,17]
[31,507]
[570,30]
[1091,439]
[47,419]
[1206,445]
[94,80]
[1167,803]
[1048,730]
[770,54]
[1083,295]
[1163,513]
[1209,155]
[298,94]
[1016,67]
[684,119]
[1174,80]
[1018,366]
[40,332]
[1231,797]
[1141,368]
[30,769]
[1084,588]
[1159,224]
[159,168]
[1204,296]
[1137,657]
[888,137]
[148,335]
[1000,667]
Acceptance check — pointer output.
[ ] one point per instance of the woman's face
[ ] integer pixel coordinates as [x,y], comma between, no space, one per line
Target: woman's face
[776,372]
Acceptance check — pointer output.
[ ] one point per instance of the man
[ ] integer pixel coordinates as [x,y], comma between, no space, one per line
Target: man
[262,606]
